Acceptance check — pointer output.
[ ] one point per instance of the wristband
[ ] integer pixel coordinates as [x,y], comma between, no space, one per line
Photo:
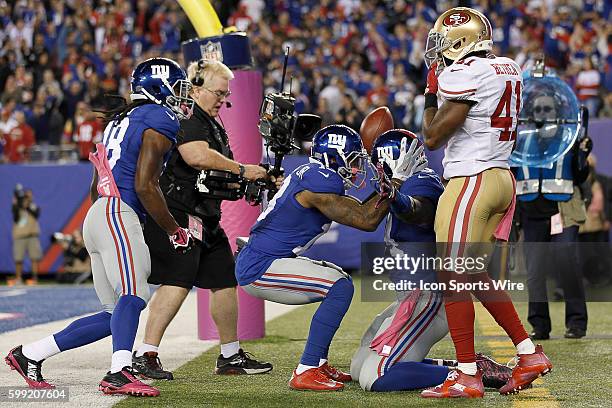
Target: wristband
[431,100]
[242,170]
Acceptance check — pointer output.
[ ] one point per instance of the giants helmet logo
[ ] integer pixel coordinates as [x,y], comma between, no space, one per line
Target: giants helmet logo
[160,71]
[385,153]
[336,141]
[456,19]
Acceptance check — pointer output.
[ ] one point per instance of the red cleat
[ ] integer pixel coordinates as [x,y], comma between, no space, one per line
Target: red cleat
[124,382]
[335,374]
[528,368]
[314,380]
[457,385]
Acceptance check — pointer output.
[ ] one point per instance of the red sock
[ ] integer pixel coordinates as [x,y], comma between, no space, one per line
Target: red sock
[500,306]
[460,317]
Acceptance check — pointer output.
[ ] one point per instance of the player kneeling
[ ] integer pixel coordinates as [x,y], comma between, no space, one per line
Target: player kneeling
[392,353]
[270,267]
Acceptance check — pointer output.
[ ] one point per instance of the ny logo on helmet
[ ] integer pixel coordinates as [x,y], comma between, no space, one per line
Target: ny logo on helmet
[385,153]
[336,141]
[160,71]
[457,19]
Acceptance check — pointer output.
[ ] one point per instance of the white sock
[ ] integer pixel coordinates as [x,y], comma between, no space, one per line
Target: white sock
[467,368]
[301,368]
[121,358]
[145,348]
[525,347]
[322,361]
[41,349]
[229,349]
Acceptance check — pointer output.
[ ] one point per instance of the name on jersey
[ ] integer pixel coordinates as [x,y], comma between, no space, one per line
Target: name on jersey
[505,69]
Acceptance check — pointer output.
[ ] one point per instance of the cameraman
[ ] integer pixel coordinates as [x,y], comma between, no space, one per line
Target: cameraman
[76,257]
[26,233]
[210,264]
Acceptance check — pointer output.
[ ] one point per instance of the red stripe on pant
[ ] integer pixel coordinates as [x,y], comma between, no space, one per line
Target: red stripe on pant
[296,289]
[129,247]
[110,227]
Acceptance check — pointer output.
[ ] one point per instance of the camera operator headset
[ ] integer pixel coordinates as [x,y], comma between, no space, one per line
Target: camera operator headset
[203,146]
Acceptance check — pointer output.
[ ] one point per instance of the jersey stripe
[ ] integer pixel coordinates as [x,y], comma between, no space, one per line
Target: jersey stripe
[125,264]
[129,247]
[465,91]
[112,231]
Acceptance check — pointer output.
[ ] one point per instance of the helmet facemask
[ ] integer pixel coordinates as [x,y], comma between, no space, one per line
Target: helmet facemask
[180,102]
[351,168]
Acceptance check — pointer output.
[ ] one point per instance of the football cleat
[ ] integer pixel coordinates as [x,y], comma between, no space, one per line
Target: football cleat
[30,370]
[149,366]
[335,374]
[240,363]
[457,385]
[494,375]
[528,368]
[314,379]
[124,382]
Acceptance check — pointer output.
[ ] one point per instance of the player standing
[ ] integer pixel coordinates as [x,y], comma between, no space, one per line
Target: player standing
[311,197]
[138,140]
[477,118]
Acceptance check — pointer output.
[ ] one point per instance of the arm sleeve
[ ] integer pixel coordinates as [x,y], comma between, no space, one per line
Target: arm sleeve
[193,130]
[423,186]
[322,181]
[458,83]
[161,121]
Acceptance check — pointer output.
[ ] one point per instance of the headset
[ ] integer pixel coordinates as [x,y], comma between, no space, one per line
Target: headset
[198,79]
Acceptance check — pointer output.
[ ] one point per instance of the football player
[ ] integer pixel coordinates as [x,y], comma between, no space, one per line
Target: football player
[392,353]
[138,140]
[311,197]
[472,103]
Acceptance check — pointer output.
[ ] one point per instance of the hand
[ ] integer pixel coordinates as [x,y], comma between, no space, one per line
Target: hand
[181,240]
[386,188]
[586,145]
[254,172]
[432,80]
[410,160]
[277,180]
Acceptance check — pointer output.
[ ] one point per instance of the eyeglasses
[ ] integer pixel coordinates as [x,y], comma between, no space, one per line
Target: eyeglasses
[220,94]
[545,109]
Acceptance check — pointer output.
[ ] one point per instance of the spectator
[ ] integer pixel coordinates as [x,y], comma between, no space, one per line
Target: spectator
[606,112]
[26,234]
[88,131]
[18,140]
[76,258]
[587,87]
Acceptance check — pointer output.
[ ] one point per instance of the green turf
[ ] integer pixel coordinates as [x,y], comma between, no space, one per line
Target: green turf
[580,378]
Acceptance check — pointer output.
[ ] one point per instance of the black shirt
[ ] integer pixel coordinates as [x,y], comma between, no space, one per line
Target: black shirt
[179,179]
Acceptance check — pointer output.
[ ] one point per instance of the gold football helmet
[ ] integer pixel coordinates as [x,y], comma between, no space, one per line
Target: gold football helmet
[456,33]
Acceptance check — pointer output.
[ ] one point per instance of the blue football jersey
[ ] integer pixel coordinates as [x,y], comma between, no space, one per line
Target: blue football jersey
[420,239]
[286,229]
[123,140]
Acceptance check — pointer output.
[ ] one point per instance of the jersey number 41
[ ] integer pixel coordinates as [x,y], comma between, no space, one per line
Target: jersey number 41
[509,121]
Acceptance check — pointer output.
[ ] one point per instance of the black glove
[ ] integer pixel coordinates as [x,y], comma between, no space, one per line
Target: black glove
[182,240]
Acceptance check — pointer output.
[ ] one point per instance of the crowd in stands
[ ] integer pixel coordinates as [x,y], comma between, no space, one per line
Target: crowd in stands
[59,58]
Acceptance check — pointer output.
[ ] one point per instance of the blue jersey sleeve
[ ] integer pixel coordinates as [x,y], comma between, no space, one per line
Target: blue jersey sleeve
[423,184]
[321,180]
[162,120]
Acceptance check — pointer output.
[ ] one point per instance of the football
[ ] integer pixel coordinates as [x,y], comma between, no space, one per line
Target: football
[377,122]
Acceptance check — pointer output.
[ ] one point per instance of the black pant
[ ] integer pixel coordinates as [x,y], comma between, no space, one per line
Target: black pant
[560,257]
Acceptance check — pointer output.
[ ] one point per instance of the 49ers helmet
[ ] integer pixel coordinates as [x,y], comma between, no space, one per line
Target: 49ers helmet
[456,33]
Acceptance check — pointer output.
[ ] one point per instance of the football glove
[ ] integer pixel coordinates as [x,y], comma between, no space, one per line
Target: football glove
[432,80]
[410,160]
[386,189]
[181,240]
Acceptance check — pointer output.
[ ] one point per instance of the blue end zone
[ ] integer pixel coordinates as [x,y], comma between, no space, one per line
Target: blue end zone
[25,306]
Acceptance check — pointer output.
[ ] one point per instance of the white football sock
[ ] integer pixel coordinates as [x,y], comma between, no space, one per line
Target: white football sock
[145,348]
[121,358]
[467,368]
[229,349]
[525,347]
[301,368]
[322,361]
[41,349]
